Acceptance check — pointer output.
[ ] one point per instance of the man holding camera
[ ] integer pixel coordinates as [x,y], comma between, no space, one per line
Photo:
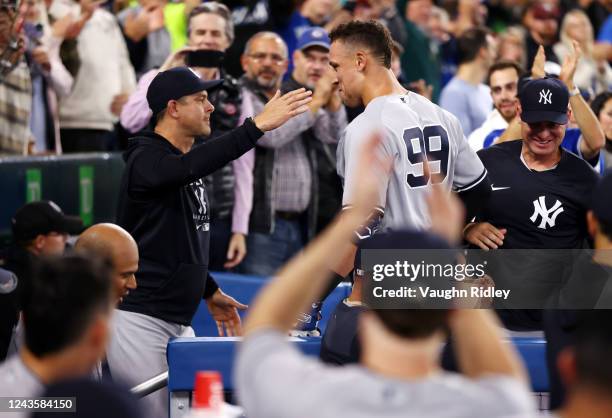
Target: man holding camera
[211,32]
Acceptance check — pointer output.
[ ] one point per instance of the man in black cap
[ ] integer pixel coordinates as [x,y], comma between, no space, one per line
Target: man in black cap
[39,229]
[164,205]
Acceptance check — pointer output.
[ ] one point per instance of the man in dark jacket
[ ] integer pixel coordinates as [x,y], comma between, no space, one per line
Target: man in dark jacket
[164,206]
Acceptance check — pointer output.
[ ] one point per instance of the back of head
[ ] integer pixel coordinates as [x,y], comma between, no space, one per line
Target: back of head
[413,323]
[62,299]
[104,240]
[601,201]
[470,43]
[593,345]
[408,323]
[370,35]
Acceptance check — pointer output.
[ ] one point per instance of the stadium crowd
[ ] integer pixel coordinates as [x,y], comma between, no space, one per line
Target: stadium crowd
[260,138]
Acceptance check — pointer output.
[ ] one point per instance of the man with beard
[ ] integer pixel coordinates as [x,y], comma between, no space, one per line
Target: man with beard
[285,172]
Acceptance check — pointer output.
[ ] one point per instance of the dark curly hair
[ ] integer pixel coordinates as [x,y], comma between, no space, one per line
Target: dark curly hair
[371,35]
[600,101]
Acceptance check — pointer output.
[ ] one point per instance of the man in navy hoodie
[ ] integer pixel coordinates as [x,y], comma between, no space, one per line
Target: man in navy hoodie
[163,204]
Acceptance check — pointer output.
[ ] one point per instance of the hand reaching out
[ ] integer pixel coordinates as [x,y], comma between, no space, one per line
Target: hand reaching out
[224,310]
[282,108]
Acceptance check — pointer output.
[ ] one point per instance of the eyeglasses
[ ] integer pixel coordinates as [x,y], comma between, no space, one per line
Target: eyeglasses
[261,57]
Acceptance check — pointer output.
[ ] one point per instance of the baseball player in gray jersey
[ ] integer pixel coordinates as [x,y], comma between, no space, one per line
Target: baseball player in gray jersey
[416,135]
[414,130]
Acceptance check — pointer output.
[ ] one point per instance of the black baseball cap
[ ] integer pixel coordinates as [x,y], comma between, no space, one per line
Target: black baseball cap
[174,84]
[544,100]
[42,217]
[601,203]
[398,240]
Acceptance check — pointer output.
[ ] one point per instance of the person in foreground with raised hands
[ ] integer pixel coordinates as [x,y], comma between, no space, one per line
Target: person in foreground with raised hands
[399,372]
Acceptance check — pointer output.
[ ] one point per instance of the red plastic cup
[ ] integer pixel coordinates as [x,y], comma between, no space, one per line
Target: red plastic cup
[208,391]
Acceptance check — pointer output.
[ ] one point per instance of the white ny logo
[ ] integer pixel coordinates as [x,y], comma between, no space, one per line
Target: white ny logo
[540,209]
[546,96]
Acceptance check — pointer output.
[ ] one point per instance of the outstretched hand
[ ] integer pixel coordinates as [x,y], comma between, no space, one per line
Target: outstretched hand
[224,310]
[282,108]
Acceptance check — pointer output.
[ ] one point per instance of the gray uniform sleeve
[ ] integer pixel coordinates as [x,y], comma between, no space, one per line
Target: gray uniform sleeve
[469,170]
[355,136]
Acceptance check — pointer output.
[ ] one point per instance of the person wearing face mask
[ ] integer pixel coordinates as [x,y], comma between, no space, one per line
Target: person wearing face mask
[211,32]
[286,186]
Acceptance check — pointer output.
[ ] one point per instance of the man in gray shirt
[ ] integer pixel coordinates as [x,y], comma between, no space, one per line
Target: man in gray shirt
[400,373]
[465,95]
[67,304]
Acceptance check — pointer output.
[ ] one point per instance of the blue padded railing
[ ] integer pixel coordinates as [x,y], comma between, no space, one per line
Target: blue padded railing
[188,355]
[244,288]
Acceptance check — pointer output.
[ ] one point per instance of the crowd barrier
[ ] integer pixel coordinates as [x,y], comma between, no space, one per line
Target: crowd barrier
[86,185]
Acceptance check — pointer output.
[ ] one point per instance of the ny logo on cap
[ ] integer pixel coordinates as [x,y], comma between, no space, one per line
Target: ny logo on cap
[546,96]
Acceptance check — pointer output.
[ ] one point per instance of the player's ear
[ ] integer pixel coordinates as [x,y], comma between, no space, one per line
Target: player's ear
[171,110]
[361,60]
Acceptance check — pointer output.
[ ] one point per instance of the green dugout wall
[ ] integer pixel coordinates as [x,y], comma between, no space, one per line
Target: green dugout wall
[81,184]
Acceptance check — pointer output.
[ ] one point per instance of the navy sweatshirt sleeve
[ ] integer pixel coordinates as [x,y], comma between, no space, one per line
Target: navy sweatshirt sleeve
[161,169]
[211,287]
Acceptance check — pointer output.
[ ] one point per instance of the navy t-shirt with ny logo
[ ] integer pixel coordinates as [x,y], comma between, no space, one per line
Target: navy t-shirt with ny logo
[539,209]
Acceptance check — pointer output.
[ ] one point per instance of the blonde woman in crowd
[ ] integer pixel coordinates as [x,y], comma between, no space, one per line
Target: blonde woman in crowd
[591,74]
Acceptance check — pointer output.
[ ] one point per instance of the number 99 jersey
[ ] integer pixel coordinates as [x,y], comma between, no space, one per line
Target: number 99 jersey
[414,129]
